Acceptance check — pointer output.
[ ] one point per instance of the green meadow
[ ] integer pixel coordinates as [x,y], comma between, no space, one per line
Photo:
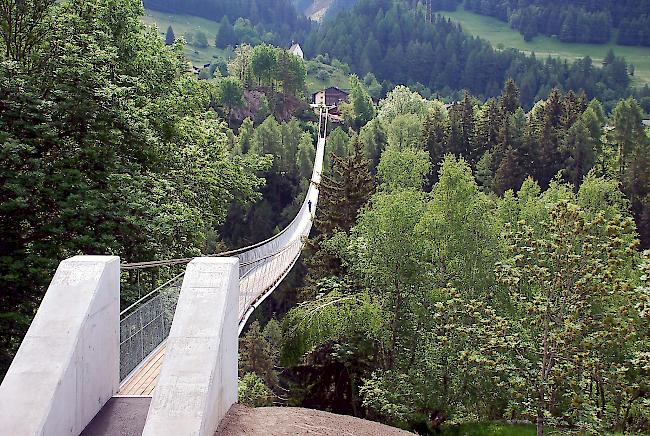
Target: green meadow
[335,77]
[490,429]
[198,56]
[188,24]
[500,35]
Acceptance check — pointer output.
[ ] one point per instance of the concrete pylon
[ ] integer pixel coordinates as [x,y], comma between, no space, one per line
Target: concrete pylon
[67,366]
[198,379]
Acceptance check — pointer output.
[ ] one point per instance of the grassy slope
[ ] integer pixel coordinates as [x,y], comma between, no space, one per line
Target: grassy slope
[499,33]
[191,24]
[198,57]
[337,78]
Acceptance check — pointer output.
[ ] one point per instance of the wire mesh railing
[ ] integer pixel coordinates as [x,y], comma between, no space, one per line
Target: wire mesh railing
[145,324]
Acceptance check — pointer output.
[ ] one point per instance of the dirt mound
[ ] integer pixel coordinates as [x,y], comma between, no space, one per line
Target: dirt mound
[296,421]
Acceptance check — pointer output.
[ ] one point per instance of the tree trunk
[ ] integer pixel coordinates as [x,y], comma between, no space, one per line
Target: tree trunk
[354,400]
[541,394]
[540,410]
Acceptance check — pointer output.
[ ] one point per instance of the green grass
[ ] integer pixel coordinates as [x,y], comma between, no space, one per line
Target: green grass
[188,23]
[498,429]
[500,35]
[337,78]
[490,429]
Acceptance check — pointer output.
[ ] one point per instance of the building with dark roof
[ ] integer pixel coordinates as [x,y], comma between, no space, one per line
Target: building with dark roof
[331,96]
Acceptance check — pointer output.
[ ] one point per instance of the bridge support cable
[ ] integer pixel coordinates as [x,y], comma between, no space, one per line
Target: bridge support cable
[144,325]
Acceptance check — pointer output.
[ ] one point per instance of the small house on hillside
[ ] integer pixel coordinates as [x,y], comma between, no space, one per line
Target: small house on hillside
[331,96]
[296,50]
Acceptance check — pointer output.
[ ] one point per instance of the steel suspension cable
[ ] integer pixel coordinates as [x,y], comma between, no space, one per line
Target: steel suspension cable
[185,260]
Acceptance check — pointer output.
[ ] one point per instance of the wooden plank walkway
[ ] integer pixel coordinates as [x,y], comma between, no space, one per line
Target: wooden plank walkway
[143,381]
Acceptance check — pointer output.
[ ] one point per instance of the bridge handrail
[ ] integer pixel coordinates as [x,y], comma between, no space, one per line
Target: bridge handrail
[185,260]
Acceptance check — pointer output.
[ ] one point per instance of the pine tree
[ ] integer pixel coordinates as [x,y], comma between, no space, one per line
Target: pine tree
[374,140]
[469,150]
[610,58]
[342,195]
[256,355]
[580,148]
[636,185]
[549,154]
[455,129]
[434,139]
[291,137]
[170,38]
[485,172]
[549,137]
[338,144]
[572,109]
[487,127]
[628,132]
[267,139]
[508,175]
[504,143]
[644,224]
[245,136]
[200,40]
[305,156]
[226,34]
[345,191]
[529,149]
[509,100]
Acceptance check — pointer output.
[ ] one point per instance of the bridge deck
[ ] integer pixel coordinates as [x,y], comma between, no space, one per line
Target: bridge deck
[143,381]
[121,416]
[254,286]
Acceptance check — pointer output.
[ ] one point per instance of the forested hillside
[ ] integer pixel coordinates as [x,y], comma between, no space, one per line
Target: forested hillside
[407,45]
[274,21]
[473,263]
[572,20]
[403,42]
[109,145]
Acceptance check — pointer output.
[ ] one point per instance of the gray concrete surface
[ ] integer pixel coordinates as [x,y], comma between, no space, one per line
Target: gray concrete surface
[121,416]
[198,379]
[67,366]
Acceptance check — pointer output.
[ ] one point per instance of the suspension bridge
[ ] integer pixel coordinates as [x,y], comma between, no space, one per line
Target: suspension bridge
[165,365]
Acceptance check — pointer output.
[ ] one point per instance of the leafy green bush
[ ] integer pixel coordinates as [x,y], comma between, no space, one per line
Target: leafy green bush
[253,392]
[322,74]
